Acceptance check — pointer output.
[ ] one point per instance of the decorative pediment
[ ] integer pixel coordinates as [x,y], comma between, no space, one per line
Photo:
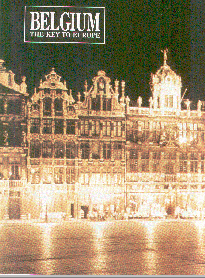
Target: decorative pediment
[53,81]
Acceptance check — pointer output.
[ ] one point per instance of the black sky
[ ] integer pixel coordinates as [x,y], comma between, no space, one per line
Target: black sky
[136,31]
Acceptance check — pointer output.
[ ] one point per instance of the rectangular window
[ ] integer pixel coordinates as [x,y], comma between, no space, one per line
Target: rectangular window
[133,165]
[202,166]
[168,101]
[47,126]
[59,126]
[133,154]
[96,103]
[47,106]
[58,175]
[35,149]
[47,175]
[106,104]
[95,128]
[35,176]
[155,167]
[15,172]
[70,129]
[85,149]
[1,106]
[14,107]
[59,149]
[35,125]
[156,155]
[106,128]
[117,129]
[70,175]
[70,150]
[117,151]
[145,155]
[145,165]
[47,149]
[58,106]
[183,166]
[183,162]
[106,151]
[84,127]
[95,150]
[194,162]
[193,166]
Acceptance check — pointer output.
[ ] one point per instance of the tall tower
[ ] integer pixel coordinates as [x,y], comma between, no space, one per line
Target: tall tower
[166,88]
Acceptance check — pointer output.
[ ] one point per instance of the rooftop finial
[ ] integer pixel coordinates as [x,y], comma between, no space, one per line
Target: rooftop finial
[165,51]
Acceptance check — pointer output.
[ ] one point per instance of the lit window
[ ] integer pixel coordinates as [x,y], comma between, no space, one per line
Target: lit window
[95,150]
[168,101]
[106,128]
[84,127]
[95,128]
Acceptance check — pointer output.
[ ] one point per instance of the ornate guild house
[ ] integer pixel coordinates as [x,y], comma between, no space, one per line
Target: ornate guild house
[97,157]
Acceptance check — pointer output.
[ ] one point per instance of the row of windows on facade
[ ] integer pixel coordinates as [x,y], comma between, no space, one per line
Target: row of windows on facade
[152,125]
[101,178]
[156,167]
[69,150]
[135,154]
[168,169]
[49,175]
[86,128]
[156,136]
[10,106]
[168,101]
[152,161]
[97,105]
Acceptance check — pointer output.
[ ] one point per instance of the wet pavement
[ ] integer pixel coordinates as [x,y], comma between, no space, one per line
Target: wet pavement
[133,247]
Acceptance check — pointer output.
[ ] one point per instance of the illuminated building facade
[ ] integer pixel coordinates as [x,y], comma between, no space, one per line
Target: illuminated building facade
[96,156]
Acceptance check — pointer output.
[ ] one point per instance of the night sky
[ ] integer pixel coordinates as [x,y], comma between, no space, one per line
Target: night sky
[136,31]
